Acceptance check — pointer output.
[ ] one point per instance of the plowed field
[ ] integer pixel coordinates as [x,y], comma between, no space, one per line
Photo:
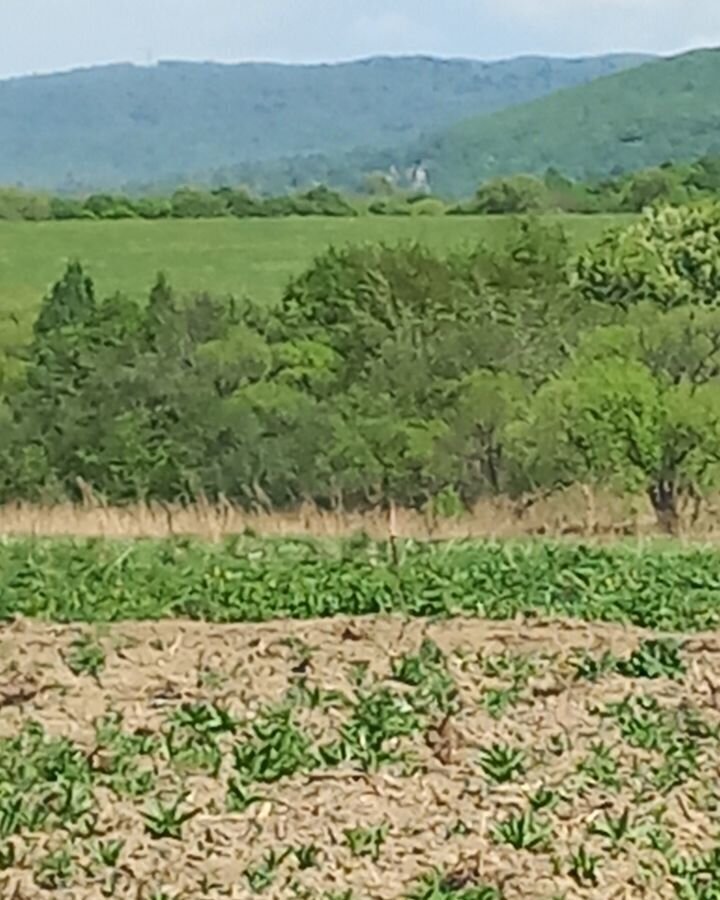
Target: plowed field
[363,758]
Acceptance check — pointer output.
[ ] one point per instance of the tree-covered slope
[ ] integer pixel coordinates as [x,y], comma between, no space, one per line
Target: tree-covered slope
[664,110]
[116,124]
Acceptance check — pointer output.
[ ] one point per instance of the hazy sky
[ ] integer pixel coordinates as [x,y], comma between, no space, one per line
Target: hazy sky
[45,35]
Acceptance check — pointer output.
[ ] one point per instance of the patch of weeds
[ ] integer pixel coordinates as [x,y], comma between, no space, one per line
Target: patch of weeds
[674,732]
[458,829]
[276,748]
[44,783]
[654,659]
[301,654]
[107,853]
[696,878]
[366,841]
[85,657]
[117,760]
[427,672]
[193,752]
[210,679]
[358,673]
[379,715]
[8,855]
[515,668]
[414,669]
[544,799]
[309,696]
[502,763]
[518,667]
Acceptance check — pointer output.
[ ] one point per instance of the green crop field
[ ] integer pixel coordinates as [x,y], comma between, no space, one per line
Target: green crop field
[251,256]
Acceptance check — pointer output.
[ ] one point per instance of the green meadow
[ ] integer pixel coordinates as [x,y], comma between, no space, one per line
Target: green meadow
[254,257]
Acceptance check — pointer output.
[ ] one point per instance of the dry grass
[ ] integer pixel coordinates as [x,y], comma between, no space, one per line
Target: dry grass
[572,512]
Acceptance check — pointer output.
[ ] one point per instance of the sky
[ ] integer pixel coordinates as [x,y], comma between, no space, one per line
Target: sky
[50,35]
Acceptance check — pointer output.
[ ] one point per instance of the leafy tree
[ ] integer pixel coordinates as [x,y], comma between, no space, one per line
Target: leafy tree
[670,257]
[106,206]
[188,203]
[610,421]
[515,194]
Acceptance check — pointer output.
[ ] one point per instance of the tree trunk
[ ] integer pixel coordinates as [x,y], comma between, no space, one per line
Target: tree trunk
[663,497]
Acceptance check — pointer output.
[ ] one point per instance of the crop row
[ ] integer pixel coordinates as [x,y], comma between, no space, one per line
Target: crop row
[246,580]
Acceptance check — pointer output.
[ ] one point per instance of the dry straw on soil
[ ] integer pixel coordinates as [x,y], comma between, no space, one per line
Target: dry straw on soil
[571,513]
[443,813]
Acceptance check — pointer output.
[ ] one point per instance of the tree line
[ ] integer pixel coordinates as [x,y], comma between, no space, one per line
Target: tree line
[387,374]
[669,184]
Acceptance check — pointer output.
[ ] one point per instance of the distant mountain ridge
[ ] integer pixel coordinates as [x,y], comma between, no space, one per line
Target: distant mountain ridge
[113,125]
[665,110]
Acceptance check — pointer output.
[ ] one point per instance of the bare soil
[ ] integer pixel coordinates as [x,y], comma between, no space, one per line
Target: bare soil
[436,807]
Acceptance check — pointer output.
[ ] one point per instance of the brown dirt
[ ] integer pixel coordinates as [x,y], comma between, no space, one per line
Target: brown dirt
[441,812]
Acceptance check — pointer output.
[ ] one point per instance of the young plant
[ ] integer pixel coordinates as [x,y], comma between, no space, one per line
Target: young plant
[86,657]
[502,763]
[167,820]
[523,832]
[366,841]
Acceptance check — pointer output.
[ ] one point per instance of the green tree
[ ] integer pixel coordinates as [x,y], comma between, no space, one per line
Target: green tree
[612,422]
[670,257]
[514,194]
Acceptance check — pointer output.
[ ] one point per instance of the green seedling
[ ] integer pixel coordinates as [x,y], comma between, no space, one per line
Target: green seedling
[460,885]
[276,749]
[54,870]
[239,798]
[522,832]
[583,867]
[86,657]
[307,855]
[204,719]
[497,701]
[167,820]
[107,853]
[502,763]
[263,875]
[544,799]
[600,767]
[366,841]
[615,829]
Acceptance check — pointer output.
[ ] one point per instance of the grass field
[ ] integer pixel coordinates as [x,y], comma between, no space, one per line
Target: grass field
[253,256]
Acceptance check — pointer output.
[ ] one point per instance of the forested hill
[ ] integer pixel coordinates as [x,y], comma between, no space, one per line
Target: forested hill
[668,109]
[108,126]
